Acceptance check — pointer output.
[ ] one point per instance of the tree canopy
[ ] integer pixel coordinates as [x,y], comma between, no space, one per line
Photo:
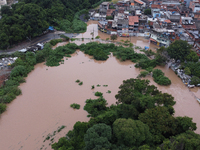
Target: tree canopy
[179,50]
[131,132]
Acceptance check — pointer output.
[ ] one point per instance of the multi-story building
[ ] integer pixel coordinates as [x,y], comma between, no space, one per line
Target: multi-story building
[173,16]
[195,6]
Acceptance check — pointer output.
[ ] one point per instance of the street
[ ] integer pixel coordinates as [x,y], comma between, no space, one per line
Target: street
[41,39]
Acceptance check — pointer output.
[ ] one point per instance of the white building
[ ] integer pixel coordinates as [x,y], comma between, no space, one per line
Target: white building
[3,2]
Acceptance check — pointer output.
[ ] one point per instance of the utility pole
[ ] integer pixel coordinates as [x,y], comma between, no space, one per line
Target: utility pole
[93,32]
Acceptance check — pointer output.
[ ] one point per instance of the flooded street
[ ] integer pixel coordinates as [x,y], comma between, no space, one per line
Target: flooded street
[48,92]
[92,26]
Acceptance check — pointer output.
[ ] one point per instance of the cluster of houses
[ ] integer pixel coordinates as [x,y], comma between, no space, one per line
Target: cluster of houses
[167,21]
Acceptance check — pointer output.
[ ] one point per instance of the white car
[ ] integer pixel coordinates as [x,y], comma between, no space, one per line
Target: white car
[190,86]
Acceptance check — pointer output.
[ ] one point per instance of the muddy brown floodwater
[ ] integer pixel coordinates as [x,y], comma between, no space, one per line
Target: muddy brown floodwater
[48,92]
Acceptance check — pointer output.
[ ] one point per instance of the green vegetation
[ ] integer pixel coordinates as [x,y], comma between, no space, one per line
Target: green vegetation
[98,85]
[98,94]
[77,80]
[148,52]
[98,51]
[92,87]
[147,11]
[109,18]
[113,37]
[195,80]
[187,71]
[81,83]
[55,56]
[142,119]
[108,91]
[75,106]
[105,85]
[179,50]
[68,55]
[95,107]
[159,77]
[28,19]
[194,68]
[192,57]
[64,37]
[55,41]
[2,108]
[143,74]
[97,37]
[98,136]
[138,47]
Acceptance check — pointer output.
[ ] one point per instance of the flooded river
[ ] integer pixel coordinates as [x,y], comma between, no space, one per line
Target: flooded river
[48,92]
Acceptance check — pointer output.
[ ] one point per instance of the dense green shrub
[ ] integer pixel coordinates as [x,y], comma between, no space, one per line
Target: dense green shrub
[195,80]
[57,54]
[192,57]
[65,37]
[77,80]
[157,73]
[75,106]
[2,108]
[164,80]
[96,106]
[81,83]
[194,68]
[55,41]
[18,71]
[143,74]
[159,77]
[98,94]
[40,57]
[187,71]
[98,51]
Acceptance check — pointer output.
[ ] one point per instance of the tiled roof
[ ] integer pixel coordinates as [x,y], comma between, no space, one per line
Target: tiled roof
[167,21]
[138,1]
[133,19]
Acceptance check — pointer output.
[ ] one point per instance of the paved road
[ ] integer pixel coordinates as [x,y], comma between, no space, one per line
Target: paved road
[41,39]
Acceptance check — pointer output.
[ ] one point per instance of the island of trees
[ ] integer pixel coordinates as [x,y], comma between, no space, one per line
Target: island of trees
[142,119]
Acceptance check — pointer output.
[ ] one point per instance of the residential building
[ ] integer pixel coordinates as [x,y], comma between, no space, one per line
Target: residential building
[133,23]
[173,16]
[3,2]
[195,6]
[123,24]
[103,8]
[155,13]
[188,23]
[183,10]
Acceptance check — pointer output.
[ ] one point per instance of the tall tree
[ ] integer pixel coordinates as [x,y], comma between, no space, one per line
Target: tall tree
[179,50]
[131,132]
[98,136]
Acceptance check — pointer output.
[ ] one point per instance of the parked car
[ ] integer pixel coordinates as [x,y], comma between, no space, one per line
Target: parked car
[191,86]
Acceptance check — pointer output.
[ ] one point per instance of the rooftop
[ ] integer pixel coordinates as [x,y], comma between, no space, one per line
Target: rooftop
[105,3]
[122,21]
[138,1]
[133,19]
